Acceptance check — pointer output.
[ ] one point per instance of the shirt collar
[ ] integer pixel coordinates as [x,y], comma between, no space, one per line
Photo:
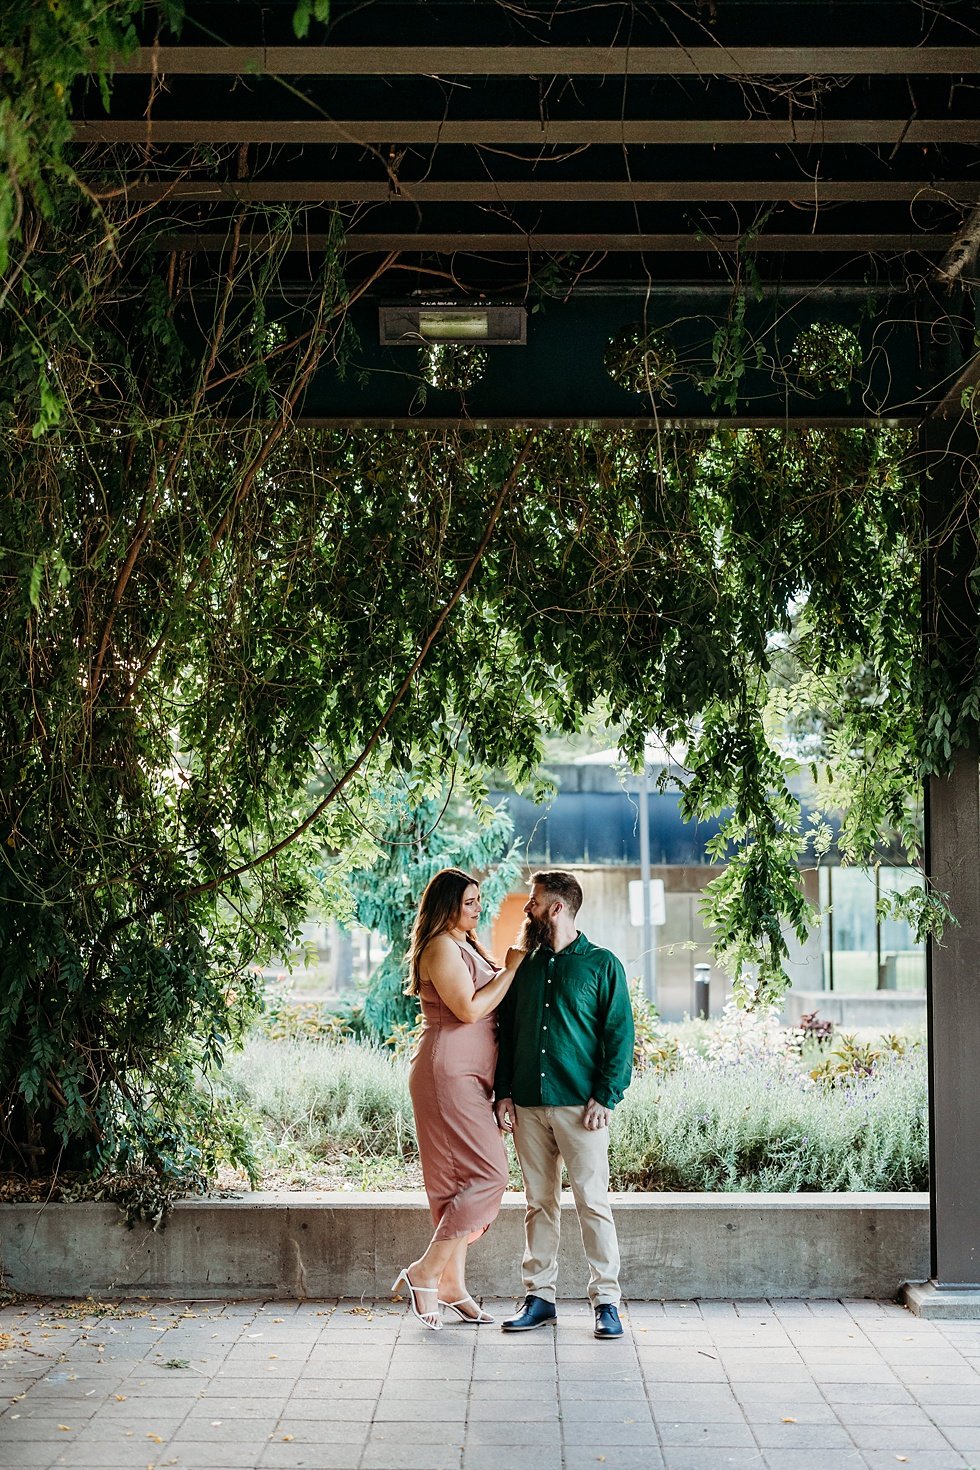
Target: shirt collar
[578,946]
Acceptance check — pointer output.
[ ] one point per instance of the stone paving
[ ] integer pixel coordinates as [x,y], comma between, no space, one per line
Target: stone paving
[356,1386]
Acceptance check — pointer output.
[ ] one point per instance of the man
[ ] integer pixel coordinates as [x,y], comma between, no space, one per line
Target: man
[566,1057]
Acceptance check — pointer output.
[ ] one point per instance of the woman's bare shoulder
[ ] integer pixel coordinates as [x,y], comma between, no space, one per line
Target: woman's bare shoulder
[441,958]
[441,944]
[441,950]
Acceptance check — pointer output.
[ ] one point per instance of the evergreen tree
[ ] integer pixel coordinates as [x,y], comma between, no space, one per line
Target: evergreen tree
[420,838]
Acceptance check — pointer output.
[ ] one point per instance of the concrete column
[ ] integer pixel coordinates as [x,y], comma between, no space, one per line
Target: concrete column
[953,979]
[952,855]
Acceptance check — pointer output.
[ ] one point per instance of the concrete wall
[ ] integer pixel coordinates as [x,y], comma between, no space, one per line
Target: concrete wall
[674,1246]
[885,1010]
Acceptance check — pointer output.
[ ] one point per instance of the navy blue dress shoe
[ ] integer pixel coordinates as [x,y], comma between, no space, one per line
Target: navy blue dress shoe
[535,1314]
[607,1323]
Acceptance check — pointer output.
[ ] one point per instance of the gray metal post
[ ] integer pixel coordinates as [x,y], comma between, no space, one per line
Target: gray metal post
[342,946]
[649,981]
[879,967]
[829,984]
[952,856]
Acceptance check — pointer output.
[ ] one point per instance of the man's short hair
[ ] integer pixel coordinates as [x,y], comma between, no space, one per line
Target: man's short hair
[561,885]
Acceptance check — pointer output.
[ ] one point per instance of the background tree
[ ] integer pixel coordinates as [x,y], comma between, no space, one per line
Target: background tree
[422,834]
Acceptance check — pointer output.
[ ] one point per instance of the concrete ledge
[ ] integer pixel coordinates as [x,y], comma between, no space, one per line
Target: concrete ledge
[886,1010]
[289,1245]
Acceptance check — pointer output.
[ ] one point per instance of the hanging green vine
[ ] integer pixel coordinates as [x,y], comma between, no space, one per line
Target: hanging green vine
[44,50]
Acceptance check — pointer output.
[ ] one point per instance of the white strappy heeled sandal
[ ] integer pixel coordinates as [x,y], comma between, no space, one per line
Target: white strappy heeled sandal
[428,1319]
[482,1318]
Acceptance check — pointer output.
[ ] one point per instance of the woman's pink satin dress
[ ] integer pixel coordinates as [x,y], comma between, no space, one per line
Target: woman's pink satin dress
[464,1164]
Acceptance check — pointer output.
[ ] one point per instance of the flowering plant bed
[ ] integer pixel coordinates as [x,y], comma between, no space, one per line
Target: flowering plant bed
[736,1104]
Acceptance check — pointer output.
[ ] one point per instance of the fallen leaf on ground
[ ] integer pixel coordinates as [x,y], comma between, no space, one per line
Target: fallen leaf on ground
[788,1420]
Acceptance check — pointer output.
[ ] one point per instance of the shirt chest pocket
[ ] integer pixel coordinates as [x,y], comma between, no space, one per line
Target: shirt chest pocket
[577,990]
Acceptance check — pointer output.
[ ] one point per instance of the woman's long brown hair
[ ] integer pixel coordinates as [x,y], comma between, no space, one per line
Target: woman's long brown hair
[439,910]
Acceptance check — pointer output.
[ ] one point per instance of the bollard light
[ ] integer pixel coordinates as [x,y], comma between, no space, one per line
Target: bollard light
[702,991]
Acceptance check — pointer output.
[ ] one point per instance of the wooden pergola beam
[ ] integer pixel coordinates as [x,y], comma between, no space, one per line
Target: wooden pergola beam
[500,243]
[533,131]
[534,191]
[738,61]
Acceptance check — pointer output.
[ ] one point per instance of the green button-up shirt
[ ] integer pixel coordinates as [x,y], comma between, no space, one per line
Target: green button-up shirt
[566,1029]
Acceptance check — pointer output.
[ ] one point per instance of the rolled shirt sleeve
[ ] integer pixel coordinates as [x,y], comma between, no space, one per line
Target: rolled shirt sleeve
[616,1037]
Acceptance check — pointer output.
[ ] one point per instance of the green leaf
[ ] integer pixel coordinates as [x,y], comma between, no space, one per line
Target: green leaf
[302,14]
[37,577]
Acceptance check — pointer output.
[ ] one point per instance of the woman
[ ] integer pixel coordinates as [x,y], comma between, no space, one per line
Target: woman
[464,1165]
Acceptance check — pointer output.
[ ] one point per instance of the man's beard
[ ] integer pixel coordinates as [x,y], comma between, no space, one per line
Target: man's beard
[534,933]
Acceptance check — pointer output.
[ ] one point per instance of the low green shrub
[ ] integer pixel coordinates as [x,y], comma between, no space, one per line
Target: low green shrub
[654,1048]
[322,1099]
[733,1108]
[756,1126]
[284,1018]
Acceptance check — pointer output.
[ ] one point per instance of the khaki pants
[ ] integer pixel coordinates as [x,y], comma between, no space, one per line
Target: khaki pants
[544,1137]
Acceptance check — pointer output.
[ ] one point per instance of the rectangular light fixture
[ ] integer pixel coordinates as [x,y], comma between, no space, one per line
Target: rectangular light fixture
[494,325]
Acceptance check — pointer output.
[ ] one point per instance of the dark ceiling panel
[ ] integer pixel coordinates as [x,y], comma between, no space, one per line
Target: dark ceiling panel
[561,374]
[605,24]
